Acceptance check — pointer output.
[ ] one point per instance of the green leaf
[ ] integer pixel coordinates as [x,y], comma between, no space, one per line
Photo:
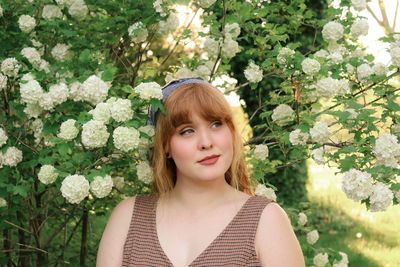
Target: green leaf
[85,56]
[20,190]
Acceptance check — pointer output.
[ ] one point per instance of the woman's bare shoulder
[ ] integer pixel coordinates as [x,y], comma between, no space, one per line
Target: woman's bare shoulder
[112,242]
[276,242]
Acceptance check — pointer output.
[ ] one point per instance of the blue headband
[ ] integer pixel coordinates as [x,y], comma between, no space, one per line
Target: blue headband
[167,90]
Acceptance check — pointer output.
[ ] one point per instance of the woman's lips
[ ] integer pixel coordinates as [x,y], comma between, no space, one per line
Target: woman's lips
[209,161]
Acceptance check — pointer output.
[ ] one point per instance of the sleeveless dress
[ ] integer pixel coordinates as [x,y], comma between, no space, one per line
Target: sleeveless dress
[234,246]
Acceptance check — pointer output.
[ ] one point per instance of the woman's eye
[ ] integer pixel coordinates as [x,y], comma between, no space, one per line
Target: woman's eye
[216,124]
[186,131]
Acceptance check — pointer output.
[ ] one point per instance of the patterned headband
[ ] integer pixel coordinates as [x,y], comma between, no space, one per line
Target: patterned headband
[167,90]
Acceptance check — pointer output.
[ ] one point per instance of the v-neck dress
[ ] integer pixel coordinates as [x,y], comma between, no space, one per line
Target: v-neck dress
[234,246]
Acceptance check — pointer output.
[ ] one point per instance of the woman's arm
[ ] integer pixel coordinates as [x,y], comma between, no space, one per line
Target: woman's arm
[114,236]
[276,243]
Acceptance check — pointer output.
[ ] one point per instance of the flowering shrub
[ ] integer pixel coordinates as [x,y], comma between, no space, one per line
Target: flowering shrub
[78,76]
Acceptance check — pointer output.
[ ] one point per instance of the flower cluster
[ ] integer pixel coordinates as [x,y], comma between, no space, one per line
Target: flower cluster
[149,90]
[11,157]
[121,110]
[3,137]
[94,134]
[169,25]
[282,114]
[230,47]
[253,73]
[47,174]
[77,8]
[93,90]
[119,182]
[359,28]
[310,66]
[284,55]
[101,186]
[387,150]
[332,31]
[344,261]
[211,46]
[261,152]
[318,155]
[302,219]
[232,30]
[312,237]
[138,32]
[364,71]
[321,260]
[51,11]
[68,130]
[10,67]
[320,133]
[60,51]
[101,112]
[359,5]
[26,23]
[381,197]
[125,138]
[75,188]
[357,184]
[329,87]
[144,172]
[3,81]
[297,137]
[262,190]
[3,202]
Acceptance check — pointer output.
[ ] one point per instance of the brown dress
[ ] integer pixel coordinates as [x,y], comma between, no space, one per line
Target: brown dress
[234,246]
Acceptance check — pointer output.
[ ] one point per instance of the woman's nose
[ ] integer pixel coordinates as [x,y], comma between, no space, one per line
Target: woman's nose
[205,140]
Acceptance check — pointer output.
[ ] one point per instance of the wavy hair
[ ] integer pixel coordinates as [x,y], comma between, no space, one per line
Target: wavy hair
[210,104]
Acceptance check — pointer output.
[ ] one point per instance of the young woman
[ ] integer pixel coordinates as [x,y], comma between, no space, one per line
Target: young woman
[202,211]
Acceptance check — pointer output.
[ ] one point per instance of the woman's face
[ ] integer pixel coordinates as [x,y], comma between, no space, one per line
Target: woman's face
[202,150]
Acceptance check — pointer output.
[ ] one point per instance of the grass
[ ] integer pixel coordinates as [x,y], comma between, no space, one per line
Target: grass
[371,239]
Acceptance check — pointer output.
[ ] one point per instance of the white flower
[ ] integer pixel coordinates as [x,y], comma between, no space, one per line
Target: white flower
[205,3]
[3,202]
[321,54]
[297,137]
[350,69]
[320,133]
[302,219]
[359,5]
[364,71]
[138,32]
[101,112]
[203,71]
[144,172]
[3,137]
[101,186]
[31,92]
[94,90]
[3,81]
[395,55]
[312,237]
[12,156]
[310,66]
[121,110]
[149,90]
[46,101]
[94,134]
[284,54]
[343,87]
[184,73]
[262,190]
[26,23]
[58,93]
[68,130]
[60,51]
[126,138]
[119,182]
[211,46]
[32,55]
[75,188]
[10,67]
[47,174]
[148,129]
[327,87]
[261,152]
[157,6]
[253,73]
[380,69]
[282,114]
[387,149]
[78,9]
[232,30]
[360,27]
[343,262]
[357,184]
[318,155]
[381,197]
[51,11]
[1,11]
[321,260]
[33,110]
[169,25]
[332,31]
[230,48]
[335,57]
[37,128]
[44,65]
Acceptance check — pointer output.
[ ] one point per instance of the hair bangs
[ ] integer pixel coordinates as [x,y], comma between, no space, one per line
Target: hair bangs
[201,99]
